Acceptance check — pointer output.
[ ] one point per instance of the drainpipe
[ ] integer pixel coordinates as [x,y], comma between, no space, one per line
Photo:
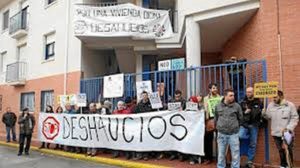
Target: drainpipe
[279,48]
[66,46]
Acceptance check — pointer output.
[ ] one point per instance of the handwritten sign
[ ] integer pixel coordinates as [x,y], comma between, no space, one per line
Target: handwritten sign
[265,89]
[191,106]
[155,100]
[174,106]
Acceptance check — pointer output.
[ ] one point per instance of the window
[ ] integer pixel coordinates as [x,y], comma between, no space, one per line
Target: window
[2,62]
[49,46]
[48,2]
[5,20]
[27,100]
[47,98]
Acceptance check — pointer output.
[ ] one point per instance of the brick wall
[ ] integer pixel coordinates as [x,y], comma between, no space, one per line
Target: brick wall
[258,39]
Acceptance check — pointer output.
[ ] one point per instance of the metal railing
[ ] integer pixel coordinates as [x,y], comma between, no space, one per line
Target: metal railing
[18,21]
[16,72]
[191,81]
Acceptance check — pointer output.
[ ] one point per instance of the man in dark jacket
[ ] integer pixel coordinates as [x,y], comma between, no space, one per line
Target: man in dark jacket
[143,106]
[179,99]
[252,108]
[9,119]
[27,123]
[228,115]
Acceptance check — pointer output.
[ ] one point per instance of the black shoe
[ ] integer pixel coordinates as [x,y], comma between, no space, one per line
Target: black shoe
[19,154]
[41,147]
[15,140]
[7,141]
[115,155]
[26,153]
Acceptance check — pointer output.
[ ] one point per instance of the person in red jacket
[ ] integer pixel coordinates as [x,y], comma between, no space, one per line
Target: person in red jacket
[121,108]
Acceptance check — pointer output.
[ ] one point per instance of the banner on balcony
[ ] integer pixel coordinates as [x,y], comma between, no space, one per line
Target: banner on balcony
[155,131]
[122,20]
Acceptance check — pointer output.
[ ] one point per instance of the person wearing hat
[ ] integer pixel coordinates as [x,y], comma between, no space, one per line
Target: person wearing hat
[27,123]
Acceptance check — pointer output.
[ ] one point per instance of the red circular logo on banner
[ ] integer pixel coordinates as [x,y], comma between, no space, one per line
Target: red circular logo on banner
[50,128]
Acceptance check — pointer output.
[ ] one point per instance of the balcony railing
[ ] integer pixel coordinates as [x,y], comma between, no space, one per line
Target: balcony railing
[18,22]
[16,73]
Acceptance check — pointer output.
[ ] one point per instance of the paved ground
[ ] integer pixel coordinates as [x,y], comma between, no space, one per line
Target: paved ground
[9,158]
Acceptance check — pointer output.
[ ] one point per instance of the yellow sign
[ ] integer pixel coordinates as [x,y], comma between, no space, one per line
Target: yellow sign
[265,89]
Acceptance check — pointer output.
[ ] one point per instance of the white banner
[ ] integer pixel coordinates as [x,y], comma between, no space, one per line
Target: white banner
[113,86]
[122,21]
[154,131]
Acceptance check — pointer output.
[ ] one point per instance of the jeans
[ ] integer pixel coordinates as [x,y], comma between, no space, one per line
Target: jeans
[234,143]
[8,130]
[22,140]
[253,132]
[283,161]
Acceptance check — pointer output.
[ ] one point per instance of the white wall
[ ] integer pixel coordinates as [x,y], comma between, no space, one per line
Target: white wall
[43,20]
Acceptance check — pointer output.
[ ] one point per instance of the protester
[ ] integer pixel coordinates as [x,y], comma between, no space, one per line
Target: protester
[27,123]
[284,119]
[228,115]
[210,102]
[49,109]
[92,110]
[194,159]
[252,108]
[71,111]
[178,99]
[59,110]
[106,108]
[9,118]
[130,105]
[143,106]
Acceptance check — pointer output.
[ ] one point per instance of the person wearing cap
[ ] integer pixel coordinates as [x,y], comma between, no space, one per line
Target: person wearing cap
[284,118]
[27,123]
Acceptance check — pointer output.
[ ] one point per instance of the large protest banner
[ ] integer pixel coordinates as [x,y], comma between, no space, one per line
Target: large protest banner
[156,131]
[122,20]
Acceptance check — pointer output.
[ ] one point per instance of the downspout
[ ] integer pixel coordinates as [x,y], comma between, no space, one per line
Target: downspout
[279,48]
[66,46]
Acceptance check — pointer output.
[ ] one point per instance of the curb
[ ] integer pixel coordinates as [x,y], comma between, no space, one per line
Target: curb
[107,161]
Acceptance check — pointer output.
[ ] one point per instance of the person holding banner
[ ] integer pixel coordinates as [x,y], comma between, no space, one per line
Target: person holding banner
[92,110]
[49,109]
[228,115]
[178,99]
[210,102]
[252,108]
[59,110]
[27,123]
[71,111]
[144,106]
[284,119]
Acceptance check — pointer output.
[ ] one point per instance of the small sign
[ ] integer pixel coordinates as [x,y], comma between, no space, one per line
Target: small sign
[67,99]
[81,100]
[143,86]
[155,100]
[164,65]
[174,106]
[178,64]
[191,106]
[265,89]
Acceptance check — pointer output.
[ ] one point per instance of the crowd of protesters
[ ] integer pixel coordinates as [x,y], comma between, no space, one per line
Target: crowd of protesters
[227,122]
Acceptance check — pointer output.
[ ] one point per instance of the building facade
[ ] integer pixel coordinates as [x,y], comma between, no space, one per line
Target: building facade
[41,57]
